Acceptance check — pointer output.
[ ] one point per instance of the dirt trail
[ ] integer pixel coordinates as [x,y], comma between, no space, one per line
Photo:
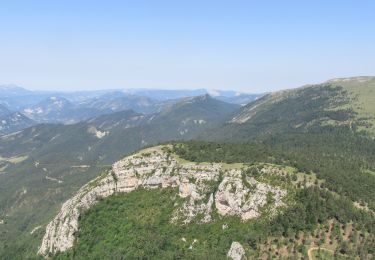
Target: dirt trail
[310,251]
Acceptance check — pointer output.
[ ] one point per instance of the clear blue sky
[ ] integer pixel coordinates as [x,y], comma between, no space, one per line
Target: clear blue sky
[252,46]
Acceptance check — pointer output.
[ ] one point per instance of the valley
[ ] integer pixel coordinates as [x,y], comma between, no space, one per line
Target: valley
[282,176]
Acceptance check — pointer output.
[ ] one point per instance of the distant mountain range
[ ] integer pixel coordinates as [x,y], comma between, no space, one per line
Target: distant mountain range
[15,121]
[71,107]
[223,95]
[100,137]
[17,98]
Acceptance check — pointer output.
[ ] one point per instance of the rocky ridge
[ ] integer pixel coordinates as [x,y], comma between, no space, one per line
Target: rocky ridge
[203,187]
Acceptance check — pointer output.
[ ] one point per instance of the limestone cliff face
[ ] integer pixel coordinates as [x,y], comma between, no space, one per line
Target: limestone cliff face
[234,197]
[155,168]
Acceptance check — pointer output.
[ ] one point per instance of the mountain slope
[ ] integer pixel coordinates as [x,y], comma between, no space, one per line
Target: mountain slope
[310,139]
[154,204]
[12,91]
[239,99]
[362,91]
[97,137]
[17,98]
[188,117]
[342,104]
[4,110]
[14,122]
[59,110]
[115,102]
[322,127]
[137,171]
[41,166]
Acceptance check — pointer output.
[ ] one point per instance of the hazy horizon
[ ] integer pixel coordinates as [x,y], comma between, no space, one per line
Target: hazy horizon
[173,89]
[240,46]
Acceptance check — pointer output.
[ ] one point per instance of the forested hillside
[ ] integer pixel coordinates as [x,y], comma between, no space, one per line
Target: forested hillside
[326,128]
[138,224]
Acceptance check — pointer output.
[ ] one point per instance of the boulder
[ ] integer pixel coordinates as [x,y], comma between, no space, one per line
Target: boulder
[236,252]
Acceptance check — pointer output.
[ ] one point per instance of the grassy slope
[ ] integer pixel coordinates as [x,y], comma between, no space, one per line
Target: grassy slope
[348,103]
[363,90]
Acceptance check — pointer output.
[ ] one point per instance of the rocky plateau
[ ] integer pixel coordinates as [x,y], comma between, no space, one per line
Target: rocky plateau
[204,188]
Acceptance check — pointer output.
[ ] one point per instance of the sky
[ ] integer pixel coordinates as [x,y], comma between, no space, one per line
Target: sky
[249,46]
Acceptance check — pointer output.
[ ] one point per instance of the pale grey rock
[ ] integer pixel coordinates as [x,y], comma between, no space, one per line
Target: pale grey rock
[236,252]
[234,198]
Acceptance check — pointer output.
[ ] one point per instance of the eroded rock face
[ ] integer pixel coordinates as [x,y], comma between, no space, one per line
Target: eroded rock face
[236,252]
[244,196]
[154,168]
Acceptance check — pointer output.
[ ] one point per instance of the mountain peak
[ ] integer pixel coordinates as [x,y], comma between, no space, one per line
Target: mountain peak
[204,97]
[12,91]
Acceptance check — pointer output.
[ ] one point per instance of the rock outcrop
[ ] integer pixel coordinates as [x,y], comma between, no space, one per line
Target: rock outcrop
[245,196]
[236,252]
[203,187]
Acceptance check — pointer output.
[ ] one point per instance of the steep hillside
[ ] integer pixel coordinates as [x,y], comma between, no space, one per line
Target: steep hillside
[199,106]
[190,116]
[156,204]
